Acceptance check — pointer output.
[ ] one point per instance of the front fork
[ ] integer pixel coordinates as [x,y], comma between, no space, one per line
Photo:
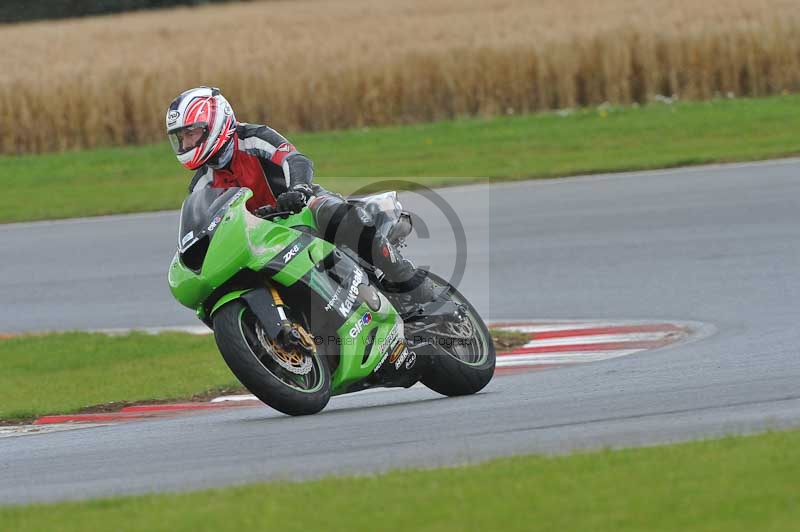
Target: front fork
[279,330]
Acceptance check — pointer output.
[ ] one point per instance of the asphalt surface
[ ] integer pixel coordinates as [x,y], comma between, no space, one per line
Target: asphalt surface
[714,245]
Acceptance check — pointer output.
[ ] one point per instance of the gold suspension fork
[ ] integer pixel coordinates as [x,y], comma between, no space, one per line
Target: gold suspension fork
[293,335]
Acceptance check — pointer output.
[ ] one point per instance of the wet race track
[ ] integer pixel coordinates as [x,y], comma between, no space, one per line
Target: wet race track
[716,247]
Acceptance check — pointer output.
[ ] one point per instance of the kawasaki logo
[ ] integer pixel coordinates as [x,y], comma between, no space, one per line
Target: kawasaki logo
[352,294]
[365,320]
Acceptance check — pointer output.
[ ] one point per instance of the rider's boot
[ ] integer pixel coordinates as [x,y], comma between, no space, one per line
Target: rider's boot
[352,226]
[400,275]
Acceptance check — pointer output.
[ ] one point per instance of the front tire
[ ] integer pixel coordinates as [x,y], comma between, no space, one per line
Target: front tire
[465,367]
[258,368]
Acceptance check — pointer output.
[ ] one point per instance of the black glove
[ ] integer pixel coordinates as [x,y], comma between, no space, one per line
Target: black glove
[266,210]
[291,201]
[304,189]
[295,199]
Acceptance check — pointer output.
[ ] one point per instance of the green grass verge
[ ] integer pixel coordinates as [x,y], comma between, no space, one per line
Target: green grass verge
[147,178]
[66,373]
[733,484]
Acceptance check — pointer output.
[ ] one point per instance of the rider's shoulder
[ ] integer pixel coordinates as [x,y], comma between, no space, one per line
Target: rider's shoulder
[202,177]
[246,130]
[259,131]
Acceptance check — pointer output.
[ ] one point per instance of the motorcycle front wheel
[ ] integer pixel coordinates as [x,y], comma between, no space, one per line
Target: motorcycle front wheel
[293,383]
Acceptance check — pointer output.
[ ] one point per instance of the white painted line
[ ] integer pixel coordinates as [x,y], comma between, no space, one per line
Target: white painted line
[26,430]
[789,161]
[234,398]
[224,398]
[598,339]
[569,326]
[561,358]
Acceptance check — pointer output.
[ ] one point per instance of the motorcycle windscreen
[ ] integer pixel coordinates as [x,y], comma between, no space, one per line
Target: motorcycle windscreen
[201,214]
[200,209]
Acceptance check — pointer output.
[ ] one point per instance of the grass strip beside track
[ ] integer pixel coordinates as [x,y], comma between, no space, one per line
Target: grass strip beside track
[89,372]
[65,373]
[732,484]
[148,178]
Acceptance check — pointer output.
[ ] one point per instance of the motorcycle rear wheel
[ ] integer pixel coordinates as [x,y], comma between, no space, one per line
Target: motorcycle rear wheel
[465,355]
[258,368]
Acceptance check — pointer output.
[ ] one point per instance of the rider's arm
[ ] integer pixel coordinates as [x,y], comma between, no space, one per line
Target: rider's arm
[266,143]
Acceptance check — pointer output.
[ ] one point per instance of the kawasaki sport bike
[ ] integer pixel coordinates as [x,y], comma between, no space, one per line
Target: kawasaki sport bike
[298,319]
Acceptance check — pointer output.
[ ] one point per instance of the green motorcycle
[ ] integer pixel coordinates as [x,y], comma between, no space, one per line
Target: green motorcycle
[299,320]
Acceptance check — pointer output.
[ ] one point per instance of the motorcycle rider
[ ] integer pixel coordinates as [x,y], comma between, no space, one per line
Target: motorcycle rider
[224,153]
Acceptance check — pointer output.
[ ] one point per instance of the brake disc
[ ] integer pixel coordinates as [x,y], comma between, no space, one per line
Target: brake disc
[463,329]
[292,361]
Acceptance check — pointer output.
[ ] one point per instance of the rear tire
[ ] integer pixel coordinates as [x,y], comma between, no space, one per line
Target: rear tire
[454,372]
[259,371]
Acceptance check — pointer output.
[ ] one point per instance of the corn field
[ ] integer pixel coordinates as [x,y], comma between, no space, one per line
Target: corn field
[317,65]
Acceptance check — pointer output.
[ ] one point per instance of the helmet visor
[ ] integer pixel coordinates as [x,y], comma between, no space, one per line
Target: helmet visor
[188,138]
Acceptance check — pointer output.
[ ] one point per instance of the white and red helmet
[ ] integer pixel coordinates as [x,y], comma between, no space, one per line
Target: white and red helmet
[200,122]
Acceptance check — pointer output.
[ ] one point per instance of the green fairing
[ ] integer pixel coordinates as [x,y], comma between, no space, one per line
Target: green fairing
[227,298]
[350,368]
[229,253]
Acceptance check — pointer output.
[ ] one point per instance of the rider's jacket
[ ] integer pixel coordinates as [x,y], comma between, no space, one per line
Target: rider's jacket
[263,161]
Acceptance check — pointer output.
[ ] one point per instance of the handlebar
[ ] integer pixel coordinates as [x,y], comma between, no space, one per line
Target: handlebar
[279,214]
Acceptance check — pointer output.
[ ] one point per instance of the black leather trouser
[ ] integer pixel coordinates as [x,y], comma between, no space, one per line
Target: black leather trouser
[342,223]
[345,224]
